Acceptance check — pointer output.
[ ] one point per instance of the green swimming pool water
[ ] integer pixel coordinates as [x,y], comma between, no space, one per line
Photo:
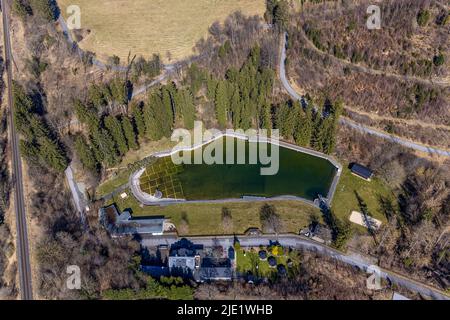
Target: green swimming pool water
[299,174]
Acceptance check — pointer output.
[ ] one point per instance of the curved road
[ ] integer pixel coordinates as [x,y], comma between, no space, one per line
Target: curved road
[406,143]
[299,242]
[22,250]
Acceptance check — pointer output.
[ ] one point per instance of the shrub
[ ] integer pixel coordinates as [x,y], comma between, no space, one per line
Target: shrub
[423,17]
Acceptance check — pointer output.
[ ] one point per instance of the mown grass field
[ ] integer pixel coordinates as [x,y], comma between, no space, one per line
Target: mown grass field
[345,200]
[145,27]
[206,219]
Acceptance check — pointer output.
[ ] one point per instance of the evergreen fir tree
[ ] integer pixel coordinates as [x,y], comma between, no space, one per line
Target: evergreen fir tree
[85,153]
[138,118]
[222,104]
[129,132]
[114,127]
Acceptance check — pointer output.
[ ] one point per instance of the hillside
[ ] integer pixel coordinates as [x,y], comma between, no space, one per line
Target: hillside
[399,71]
[170,28]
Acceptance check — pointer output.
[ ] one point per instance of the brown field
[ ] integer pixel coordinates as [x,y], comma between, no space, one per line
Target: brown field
[145,27]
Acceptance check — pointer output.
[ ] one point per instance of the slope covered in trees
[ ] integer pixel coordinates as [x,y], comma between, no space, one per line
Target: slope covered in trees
[398,71]
[241,98]
[39,143]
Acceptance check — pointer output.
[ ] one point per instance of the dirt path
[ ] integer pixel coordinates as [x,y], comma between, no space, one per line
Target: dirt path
[441,82]
[413,122]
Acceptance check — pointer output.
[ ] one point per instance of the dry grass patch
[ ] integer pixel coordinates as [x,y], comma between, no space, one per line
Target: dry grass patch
[145,27]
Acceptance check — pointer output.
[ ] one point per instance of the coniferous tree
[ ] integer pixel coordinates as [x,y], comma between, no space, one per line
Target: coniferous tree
[97,96]
[85,153]
[246,117]
[286,120]
[235,106]
[270,9]
[331,127]
[119,91]
[304,128]
[211,87]
[158,114]
[40,143]
[23,107]
[168,109]
[318,132]
[195,77]
[129,132]
[52,154]
[29,151]
[86,115]
[104,149]
[187,109]
[281,14]
[221,103]
[114,127]
[138,118]
[153,128]
[266,116]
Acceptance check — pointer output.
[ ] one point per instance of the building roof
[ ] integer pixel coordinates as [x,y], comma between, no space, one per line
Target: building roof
[182,262]
[123,223]
[361,171]
[205,274]
[142,226]
[185,248]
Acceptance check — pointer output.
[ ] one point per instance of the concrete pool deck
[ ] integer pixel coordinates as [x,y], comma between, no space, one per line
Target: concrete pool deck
[149,200]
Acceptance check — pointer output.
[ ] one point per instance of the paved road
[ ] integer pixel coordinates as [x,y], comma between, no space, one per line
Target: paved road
[78,197]
[403,142]
[23,256]
[352,124]
[299,242]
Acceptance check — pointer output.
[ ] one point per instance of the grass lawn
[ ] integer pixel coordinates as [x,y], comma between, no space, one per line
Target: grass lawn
[146,148]
[206,219]
[145,27]
[115,182]
[345,200]
[251,262]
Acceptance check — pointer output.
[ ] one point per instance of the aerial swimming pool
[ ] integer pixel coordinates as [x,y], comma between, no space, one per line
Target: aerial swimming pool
[300,174]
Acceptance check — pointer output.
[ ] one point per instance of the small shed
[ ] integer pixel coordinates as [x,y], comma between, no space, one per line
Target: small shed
[361,171]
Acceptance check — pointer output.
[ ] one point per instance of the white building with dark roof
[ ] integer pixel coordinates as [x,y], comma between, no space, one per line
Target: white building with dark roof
[120,224]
